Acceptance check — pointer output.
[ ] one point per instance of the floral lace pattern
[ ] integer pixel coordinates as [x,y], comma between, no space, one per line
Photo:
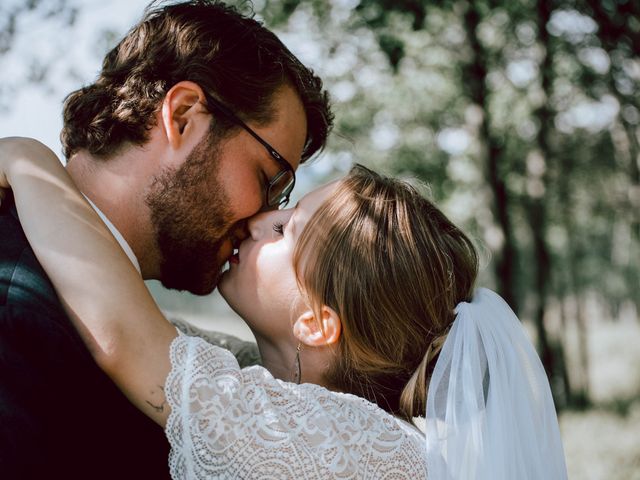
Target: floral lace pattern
[233,423]
[246,353]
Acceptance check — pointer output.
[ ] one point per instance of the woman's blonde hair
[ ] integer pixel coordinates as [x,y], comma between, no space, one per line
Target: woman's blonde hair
[393,267]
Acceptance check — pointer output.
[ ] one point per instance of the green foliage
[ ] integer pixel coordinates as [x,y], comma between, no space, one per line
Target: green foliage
[17,16]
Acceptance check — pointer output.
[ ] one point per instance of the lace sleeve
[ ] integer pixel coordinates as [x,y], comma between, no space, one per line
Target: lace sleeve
[246,353]
[228,422]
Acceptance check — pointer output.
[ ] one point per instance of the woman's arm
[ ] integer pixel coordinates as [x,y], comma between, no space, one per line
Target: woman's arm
[100,289]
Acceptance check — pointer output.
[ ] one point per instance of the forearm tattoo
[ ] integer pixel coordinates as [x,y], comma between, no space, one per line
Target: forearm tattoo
[158,408]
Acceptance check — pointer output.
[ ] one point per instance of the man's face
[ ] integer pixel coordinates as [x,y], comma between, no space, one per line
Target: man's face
[200,208]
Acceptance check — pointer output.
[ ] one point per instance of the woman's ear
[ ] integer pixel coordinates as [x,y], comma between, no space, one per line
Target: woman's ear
[181,109]
[315,332]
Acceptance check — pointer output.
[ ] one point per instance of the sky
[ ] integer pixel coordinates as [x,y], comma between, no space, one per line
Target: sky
[36,111]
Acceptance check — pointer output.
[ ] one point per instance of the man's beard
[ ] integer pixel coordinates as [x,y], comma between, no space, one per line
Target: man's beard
[191,217]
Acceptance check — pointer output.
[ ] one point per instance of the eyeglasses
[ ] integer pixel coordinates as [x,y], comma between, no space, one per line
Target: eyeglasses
[280,186]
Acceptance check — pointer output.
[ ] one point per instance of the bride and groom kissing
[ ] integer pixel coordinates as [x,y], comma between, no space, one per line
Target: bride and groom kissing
[180,158]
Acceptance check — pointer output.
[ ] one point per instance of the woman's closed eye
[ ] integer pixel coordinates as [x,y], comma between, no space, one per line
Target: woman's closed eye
[278,227]
[282,220]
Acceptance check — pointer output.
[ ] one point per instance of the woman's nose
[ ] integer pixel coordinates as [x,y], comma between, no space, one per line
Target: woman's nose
[258,223]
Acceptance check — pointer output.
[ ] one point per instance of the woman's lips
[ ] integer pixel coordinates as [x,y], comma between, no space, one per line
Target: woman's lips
[235,258]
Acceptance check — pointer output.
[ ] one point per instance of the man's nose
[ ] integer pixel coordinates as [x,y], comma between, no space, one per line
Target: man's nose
[267,208]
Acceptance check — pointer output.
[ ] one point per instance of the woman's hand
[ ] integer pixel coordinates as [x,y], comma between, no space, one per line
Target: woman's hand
[3,189]
[17,151]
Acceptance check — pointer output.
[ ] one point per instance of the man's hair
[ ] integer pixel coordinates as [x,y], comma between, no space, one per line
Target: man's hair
[394,268]
[235,59]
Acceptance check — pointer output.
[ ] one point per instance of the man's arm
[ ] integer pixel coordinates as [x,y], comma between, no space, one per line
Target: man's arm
[100,290]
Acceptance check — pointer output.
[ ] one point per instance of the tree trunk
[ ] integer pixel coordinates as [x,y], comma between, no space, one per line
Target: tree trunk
[552,355]
[613,32]
[475,76]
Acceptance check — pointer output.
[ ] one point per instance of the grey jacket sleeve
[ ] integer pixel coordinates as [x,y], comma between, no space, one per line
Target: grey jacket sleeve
[245,352]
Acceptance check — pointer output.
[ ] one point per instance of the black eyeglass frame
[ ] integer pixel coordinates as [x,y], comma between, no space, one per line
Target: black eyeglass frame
[282,199]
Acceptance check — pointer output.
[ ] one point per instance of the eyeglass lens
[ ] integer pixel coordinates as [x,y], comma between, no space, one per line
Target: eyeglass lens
[280,187]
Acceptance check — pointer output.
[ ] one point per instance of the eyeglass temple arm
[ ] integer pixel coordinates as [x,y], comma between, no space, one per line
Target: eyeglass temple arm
[232,116]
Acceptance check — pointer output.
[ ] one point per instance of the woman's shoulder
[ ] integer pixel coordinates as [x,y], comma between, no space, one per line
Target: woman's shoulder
[201,358]
[346,411]
[248,410]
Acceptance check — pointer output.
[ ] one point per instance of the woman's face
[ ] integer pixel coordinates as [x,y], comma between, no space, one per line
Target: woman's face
[261,284]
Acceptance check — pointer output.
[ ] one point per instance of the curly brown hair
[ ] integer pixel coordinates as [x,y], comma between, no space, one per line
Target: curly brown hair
[234,58]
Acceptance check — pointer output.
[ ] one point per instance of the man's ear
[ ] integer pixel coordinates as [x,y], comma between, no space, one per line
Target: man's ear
[316,332]
[182,109]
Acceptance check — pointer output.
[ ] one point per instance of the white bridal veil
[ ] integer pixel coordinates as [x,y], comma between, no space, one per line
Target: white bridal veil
[490,414]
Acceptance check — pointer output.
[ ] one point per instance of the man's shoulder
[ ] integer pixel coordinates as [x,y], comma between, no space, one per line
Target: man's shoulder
[23,282]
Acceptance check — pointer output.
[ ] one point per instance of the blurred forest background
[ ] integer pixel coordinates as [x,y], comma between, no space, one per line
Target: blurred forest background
[522,117]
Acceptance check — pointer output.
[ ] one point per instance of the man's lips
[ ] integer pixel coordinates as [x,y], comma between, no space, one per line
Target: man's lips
[235,252]
[227,251]
[238,238]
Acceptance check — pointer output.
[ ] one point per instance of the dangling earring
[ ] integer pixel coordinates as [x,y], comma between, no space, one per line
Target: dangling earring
[298,369]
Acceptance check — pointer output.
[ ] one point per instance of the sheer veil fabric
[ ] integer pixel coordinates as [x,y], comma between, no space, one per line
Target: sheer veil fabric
[490,414]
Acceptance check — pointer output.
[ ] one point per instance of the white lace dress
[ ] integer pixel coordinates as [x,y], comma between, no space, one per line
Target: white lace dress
[227,422]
